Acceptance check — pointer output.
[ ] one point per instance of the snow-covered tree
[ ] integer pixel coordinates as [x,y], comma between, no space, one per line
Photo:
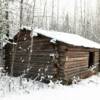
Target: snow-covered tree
[66,24]
[4,26]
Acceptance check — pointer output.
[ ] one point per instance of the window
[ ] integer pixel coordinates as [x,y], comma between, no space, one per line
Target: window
[91,59]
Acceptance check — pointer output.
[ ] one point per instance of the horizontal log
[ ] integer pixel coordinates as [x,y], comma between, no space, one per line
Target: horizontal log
[76,56]
[72,65]
[73,48]
[32,63]
[76,68]
[77,59]
[76,73]
[82,74]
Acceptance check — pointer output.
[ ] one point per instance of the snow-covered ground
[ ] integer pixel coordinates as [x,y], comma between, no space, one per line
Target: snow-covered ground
[20,89]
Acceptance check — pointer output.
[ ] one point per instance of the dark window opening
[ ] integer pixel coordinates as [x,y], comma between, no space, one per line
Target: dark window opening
[91,59]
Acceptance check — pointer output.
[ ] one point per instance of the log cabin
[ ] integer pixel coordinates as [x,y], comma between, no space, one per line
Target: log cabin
[51,55]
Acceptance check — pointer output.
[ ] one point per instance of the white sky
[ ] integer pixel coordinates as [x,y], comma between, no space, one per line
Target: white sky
[69,4]
[65,6]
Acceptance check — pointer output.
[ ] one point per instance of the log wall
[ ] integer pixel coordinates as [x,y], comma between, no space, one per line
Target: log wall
[40,60]
[77,62]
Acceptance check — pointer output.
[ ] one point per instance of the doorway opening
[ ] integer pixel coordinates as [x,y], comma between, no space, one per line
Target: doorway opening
[91,59]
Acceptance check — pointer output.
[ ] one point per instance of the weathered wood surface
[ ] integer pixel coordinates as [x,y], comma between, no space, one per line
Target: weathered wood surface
[76,62]
[40,57]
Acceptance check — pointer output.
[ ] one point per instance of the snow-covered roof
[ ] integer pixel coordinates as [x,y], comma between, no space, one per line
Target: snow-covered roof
[68,38]
[26,27]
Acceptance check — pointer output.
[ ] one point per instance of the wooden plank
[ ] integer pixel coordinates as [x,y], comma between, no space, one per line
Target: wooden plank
[75,65]
[77,59]
[75,71]
[82,74]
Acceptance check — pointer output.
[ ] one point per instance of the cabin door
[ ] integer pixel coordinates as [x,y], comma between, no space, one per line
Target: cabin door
[91,59]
